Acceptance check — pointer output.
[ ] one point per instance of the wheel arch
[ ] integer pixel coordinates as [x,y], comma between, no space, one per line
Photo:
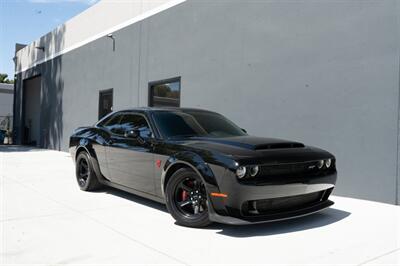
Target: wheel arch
[85,145]
[188,160]
[80,149]
[171,170]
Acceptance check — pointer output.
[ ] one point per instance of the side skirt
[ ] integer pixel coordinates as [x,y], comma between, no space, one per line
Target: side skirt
[106,182]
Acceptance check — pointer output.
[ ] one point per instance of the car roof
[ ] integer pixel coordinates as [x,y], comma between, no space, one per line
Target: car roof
[166,108]
[149,110]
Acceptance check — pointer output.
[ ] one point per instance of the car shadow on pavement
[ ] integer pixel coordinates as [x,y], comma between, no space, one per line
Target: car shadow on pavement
[323,218]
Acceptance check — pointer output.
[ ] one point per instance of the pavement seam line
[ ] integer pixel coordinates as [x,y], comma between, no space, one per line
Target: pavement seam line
[380,256]
[103,224]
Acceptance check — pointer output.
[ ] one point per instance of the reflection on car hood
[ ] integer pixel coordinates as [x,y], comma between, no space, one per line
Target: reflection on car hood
[257,149]
[249,142]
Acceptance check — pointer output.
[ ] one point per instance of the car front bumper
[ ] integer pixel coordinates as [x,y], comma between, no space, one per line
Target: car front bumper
[215,217]
[246,203]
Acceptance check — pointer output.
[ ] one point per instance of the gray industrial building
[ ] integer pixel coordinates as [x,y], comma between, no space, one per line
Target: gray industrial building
[325,73]
[6,106]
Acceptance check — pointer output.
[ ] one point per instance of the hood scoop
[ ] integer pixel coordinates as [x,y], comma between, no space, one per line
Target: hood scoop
[283,145]
[250,143]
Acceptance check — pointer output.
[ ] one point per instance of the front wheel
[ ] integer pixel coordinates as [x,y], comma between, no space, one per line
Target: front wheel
[186,198]
[85,175]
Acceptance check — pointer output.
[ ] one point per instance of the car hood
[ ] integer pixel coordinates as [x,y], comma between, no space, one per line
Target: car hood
[251,149]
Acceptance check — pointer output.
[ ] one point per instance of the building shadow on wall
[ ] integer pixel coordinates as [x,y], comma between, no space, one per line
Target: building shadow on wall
[52,86]
[321,219]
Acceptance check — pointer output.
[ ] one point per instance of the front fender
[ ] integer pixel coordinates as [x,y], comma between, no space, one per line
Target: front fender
[195,162]
[211,174]
[86,145]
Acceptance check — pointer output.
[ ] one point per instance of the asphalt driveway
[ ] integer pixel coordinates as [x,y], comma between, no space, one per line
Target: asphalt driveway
[46,219]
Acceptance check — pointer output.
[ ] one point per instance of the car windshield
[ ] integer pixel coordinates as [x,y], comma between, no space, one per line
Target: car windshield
[195,124]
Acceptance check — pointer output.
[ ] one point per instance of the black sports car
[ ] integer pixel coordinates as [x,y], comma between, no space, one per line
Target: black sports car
[202,166]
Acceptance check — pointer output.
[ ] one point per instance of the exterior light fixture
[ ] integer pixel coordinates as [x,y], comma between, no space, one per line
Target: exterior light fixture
[40,48]
[254,170]
[328,163]
[113,39]
[241,171]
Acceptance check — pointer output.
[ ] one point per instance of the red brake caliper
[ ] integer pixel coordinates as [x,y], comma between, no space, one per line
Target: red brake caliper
[184,195]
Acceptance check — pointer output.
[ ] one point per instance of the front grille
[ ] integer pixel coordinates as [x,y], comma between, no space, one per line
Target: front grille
[288,172]
[285,169]
[283,204]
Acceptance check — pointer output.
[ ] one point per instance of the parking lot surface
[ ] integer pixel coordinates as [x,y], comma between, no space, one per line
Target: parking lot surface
[46,219]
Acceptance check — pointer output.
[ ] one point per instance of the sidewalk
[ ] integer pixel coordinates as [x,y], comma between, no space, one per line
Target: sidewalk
[46,219]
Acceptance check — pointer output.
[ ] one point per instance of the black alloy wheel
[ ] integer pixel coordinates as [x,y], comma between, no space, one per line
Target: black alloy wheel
[85,175]
[186,198]
[83,171]
[190,197]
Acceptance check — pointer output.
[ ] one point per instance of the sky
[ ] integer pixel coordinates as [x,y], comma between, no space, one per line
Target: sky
[23,21]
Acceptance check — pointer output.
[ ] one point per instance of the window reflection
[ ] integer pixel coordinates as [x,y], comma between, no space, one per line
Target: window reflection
[135,122]
[165,93]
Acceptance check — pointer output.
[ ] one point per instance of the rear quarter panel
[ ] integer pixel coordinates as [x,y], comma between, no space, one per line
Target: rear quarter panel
[92,140]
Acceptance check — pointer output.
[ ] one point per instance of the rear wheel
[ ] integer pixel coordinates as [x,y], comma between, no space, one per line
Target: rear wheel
[85,175]
[186,198]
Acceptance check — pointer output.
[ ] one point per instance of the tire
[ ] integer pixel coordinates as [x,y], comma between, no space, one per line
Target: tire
[186,199]
[85,175]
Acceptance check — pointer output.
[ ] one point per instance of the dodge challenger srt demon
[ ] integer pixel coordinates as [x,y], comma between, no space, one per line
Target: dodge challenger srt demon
[202,166]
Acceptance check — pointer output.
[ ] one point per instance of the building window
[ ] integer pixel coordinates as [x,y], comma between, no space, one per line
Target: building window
[105,102]
[165,92]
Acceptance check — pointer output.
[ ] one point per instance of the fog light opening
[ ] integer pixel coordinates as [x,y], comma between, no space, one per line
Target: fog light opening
[253,207]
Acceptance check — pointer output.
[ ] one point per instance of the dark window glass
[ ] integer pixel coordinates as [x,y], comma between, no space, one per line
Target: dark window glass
[105,102]
[137,122]
[165,93]
[105,121]
[195,123]
[113,124]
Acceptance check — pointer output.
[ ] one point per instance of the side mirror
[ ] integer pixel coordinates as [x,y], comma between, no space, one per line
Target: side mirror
[244,130]
[133,134]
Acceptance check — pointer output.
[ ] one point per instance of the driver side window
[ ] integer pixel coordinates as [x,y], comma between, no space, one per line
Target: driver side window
[136,122]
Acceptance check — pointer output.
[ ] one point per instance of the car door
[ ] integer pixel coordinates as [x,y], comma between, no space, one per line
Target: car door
[104,129]
[131,160]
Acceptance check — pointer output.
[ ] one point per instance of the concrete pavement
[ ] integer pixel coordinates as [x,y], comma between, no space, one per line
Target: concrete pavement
[46,219]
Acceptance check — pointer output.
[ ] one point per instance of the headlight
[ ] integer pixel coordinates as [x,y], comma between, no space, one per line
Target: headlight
[328,163]
[320,164]
[254,170]
[241,171]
